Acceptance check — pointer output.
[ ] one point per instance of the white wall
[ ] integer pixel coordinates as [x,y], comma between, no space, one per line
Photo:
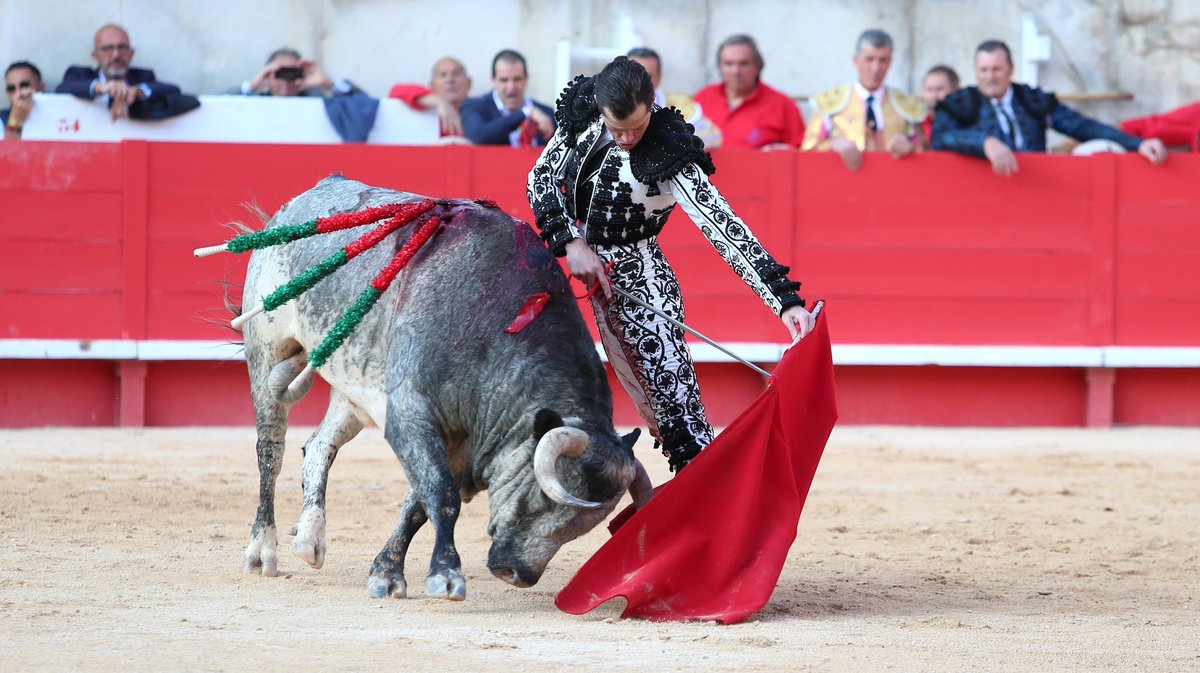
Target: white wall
[1148,47]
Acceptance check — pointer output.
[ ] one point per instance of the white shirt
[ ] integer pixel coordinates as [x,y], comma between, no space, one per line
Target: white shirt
[1005,103]
[876,102]
[514,138]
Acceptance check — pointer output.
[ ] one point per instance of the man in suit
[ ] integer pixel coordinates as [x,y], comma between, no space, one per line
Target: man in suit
[998,118]
[505,115]
[131,92]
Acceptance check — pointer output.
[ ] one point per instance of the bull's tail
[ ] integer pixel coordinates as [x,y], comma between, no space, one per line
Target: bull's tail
[284,373]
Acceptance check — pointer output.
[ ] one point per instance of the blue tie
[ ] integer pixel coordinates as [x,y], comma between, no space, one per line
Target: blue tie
[1010,133]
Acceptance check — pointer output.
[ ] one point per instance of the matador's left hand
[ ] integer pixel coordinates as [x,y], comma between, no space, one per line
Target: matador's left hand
[798,322]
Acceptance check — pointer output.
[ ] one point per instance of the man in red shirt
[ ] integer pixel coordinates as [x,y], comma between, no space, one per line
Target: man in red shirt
[749,113]
[448,88]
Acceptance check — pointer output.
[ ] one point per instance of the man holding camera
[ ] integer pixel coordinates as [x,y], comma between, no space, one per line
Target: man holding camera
[288,74]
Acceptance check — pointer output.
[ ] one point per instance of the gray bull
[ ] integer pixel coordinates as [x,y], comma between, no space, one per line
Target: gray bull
[465,405]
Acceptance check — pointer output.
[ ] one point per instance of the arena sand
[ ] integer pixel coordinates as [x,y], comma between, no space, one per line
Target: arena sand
[919,550]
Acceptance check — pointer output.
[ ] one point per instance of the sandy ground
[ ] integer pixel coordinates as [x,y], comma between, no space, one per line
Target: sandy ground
[919,550]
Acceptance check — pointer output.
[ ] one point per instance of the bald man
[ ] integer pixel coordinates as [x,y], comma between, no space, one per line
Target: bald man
[130,92]
[448,87]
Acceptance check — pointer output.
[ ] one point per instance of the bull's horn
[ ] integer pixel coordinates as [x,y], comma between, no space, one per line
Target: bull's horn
[561,441]
[640,489]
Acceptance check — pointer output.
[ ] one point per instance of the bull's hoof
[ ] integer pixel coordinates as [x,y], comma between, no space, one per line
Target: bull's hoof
[313,552]
[260,556]
[382,585]
[450,585]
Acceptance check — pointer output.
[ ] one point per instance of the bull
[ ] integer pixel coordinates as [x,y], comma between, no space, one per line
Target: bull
[464,404]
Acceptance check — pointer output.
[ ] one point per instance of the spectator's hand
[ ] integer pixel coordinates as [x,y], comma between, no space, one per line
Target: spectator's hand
[766,148]
[546,128]
[122,94]
[21,108]
[798,322]
[314,77]
[1004,162]
[1154,151]
[449,116]
[586,266]
[260,79]
[900,146]
[851,156]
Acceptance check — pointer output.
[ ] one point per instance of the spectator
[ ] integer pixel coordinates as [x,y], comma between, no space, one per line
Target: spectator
[505,115]
[866,115]
[288,74]
[131,92]
[749,114]
[997,118]
[691,110]
[21,80]
[939,82]
[1180,126]
[448,88]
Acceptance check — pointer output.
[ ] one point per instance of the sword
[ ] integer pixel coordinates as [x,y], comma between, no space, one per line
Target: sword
[693,332]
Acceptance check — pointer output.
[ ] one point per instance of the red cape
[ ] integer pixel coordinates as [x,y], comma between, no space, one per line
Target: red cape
[711,543]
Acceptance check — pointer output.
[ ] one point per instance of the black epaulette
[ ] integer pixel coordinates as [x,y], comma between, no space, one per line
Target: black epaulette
[670,143]
[577,106]
[962,105]
[1040,103]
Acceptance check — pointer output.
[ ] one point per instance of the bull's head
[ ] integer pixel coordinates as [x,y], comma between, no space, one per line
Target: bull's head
[539,503]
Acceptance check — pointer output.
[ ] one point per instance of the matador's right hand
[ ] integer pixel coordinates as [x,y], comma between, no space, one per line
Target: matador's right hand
[585,265]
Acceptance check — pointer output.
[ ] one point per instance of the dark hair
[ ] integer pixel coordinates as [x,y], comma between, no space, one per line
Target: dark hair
[284,51]
[24,64]
[645,52]
[734,40]
[944,70]
[509,56]
[875,37]
[990,46]
[621,86]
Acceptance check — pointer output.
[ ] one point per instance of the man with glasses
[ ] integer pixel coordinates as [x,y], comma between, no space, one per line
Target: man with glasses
[21,80]
[130,92]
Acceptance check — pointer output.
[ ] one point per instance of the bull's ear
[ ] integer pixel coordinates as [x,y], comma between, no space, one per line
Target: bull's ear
[630,439]
[544,421]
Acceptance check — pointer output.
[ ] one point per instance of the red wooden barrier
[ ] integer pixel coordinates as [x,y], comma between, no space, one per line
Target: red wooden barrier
[1094,252]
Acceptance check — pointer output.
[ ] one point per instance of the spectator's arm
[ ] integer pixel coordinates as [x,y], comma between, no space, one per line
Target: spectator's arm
[950,136]
[78,82]
[493,132]
[410,94]
[1071,123]
[1177,127]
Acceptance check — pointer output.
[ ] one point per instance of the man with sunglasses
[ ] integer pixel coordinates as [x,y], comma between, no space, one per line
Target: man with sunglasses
[21,80]
[131,92]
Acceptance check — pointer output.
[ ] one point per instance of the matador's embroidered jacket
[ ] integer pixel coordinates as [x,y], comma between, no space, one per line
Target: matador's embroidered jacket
[634,192]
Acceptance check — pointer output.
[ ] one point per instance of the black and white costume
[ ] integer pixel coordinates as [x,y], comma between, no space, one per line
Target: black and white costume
[618,201]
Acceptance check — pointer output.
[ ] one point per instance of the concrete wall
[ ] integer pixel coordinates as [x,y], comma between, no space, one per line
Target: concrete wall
[1148,47]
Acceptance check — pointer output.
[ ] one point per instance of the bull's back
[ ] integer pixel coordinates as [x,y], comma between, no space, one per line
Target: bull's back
[443,323]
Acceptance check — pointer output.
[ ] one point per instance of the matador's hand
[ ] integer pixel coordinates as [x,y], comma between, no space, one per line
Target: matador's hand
[585,265]
[798,322]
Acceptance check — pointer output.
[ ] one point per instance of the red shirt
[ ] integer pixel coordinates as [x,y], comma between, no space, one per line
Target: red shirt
[409,93]
[1177,127]
[765,117]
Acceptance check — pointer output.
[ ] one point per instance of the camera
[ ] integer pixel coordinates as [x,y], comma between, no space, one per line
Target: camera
[289,73]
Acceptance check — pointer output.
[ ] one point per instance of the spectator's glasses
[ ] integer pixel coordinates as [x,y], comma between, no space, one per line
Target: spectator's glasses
[110,48]
[11,88]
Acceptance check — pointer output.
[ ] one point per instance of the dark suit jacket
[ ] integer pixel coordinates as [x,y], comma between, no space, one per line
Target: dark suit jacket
[166,100]
[966,118]
[483,124]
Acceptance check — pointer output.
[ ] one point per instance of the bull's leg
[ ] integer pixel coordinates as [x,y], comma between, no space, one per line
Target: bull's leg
[271,421]
[387,573]
[418,443]
[339,426]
